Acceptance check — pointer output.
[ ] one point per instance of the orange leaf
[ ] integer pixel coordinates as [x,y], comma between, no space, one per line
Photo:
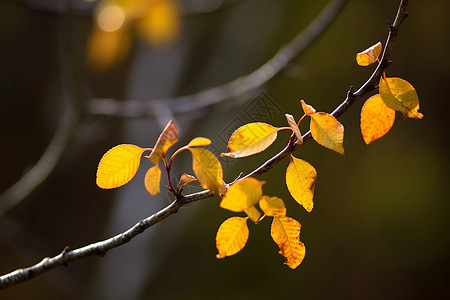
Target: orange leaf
[166,139]
[369,56]
[253,213]
[400,95]
[242,195]
[186,178]
[207,169]
[308,109]
[118,166]
[231,236]
[272,206]
[199,141]
[327,131]
[285,232]
[376,119]
[300,181]
[152,180]
[250,139]
[293,124]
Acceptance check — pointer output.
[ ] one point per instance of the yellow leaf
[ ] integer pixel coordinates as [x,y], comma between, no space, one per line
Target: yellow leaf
[250,139]
[272,206]
[231,236]
[300,181]
[285,232]
[400,95]
[327,131]
[369,56]
[199,141]
[207,169]
[166,139]
[253,213]
[376,119]
[118,166]
[293,124]
[152,180]
[242,195]
[185,178]
[308,109]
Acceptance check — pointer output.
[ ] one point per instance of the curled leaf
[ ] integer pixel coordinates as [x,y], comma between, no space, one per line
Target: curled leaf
[152,180]
[293,124]
[327,131]
[118,166]
[166,139]
[242,195]
[376,119]
[400,95]
[207,169]
[285,232]
[369,56]
[231,236]
[272,206]
[250,139]
[308,109]
[300,181]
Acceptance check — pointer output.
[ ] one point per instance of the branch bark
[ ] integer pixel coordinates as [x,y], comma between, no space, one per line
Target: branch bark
[100,248]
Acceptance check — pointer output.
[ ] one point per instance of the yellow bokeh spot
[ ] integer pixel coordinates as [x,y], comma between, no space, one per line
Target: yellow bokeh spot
[111,18]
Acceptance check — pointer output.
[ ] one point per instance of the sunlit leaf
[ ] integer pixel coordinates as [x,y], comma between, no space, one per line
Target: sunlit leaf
[118,166]
[199,141]
[327,131]
[400,95]
[166,139]
[242,195]
[152,180]
[185,178]
[253,213]
[369,56]
[293,124]
[231,236]
[300,181]
[285,232]
[272,206]
[207,169]
[376,119]
[308,109]
[250,139]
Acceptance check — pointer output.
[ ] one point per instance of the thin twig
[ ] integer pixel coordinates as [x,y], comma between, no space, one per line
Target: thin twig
[100,248]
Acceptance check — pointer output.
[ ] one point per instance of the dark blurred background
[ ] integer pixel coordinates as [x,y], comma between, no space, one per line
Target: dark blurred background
[379,228]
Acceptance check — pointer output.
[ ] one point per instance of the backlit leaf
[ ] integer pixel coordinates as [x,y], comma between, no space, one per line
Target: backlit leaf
[308,109]
[207,169]
[118,166]
[300,181]
[152,180]
[185,178]
[242,195]
[376,119]
[250,139]
[199,141]
[369,56]
[272,206]
[253,213]
[285,232]
[293,124]
[231,236]
[400,95]
[327,131]
[166,139]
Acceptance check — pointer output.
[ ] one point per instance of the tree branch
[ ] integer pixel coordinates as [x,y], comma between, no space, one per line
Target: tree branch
[100,248]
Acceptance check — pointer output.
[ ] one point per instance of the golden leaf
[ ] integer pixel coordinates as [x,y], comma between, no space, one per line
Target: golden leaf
[308,109]
[272,206]
[242,195]
[118,166]
[369,56]
[199,141]
[400,95]
[152,180]
[327,131]
[376,119]
[300,181]
[207,169]
[253,213]
[285,232]
[250,139]
[231,236]
[166,139]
